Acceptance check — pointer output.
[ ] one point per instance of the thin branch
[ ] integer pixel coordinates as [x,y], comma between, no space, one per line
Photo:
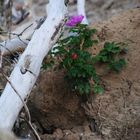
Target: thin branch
[20,34]
[22,41]
[13,44]
[25,107]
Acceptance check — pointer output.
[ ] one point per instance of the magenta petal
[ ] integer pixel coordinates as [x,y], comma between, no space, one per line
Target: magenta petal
[74,20]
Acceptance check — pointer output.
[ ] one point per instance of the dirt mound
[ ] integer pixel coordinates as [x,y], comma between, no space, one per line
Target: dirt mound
[57,106]
[113,115]
[117,111]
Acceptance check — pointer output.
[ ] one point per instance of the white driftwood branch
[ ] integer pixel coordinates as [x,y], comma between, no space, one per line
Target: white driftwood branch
[81,10]
[27,69]
[18,42]
[7,135]
[13,45]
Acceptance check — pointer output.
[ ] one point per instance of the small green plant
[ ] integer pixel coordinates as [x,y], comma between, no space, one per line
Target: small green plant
[110,55]
[73,57]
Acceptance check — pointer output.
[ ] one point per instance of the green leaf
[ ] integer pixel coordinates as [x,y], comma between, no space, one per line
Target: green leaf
[87,88]
[98,89]
[117,65]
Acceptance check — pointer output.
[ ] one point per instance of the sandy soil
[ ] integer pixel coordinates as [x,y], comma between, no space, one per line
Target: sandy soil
[115,115]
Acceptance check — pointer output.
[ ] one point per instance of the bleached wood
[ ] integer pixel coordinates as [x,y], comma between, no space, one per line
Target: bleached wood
[6,135]
[31,59]
[81,10]
[16,44]
[13,45]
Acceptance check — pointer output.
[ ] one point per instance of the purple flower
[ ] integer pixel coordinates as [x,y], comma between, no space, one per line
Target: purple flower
[74,20]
